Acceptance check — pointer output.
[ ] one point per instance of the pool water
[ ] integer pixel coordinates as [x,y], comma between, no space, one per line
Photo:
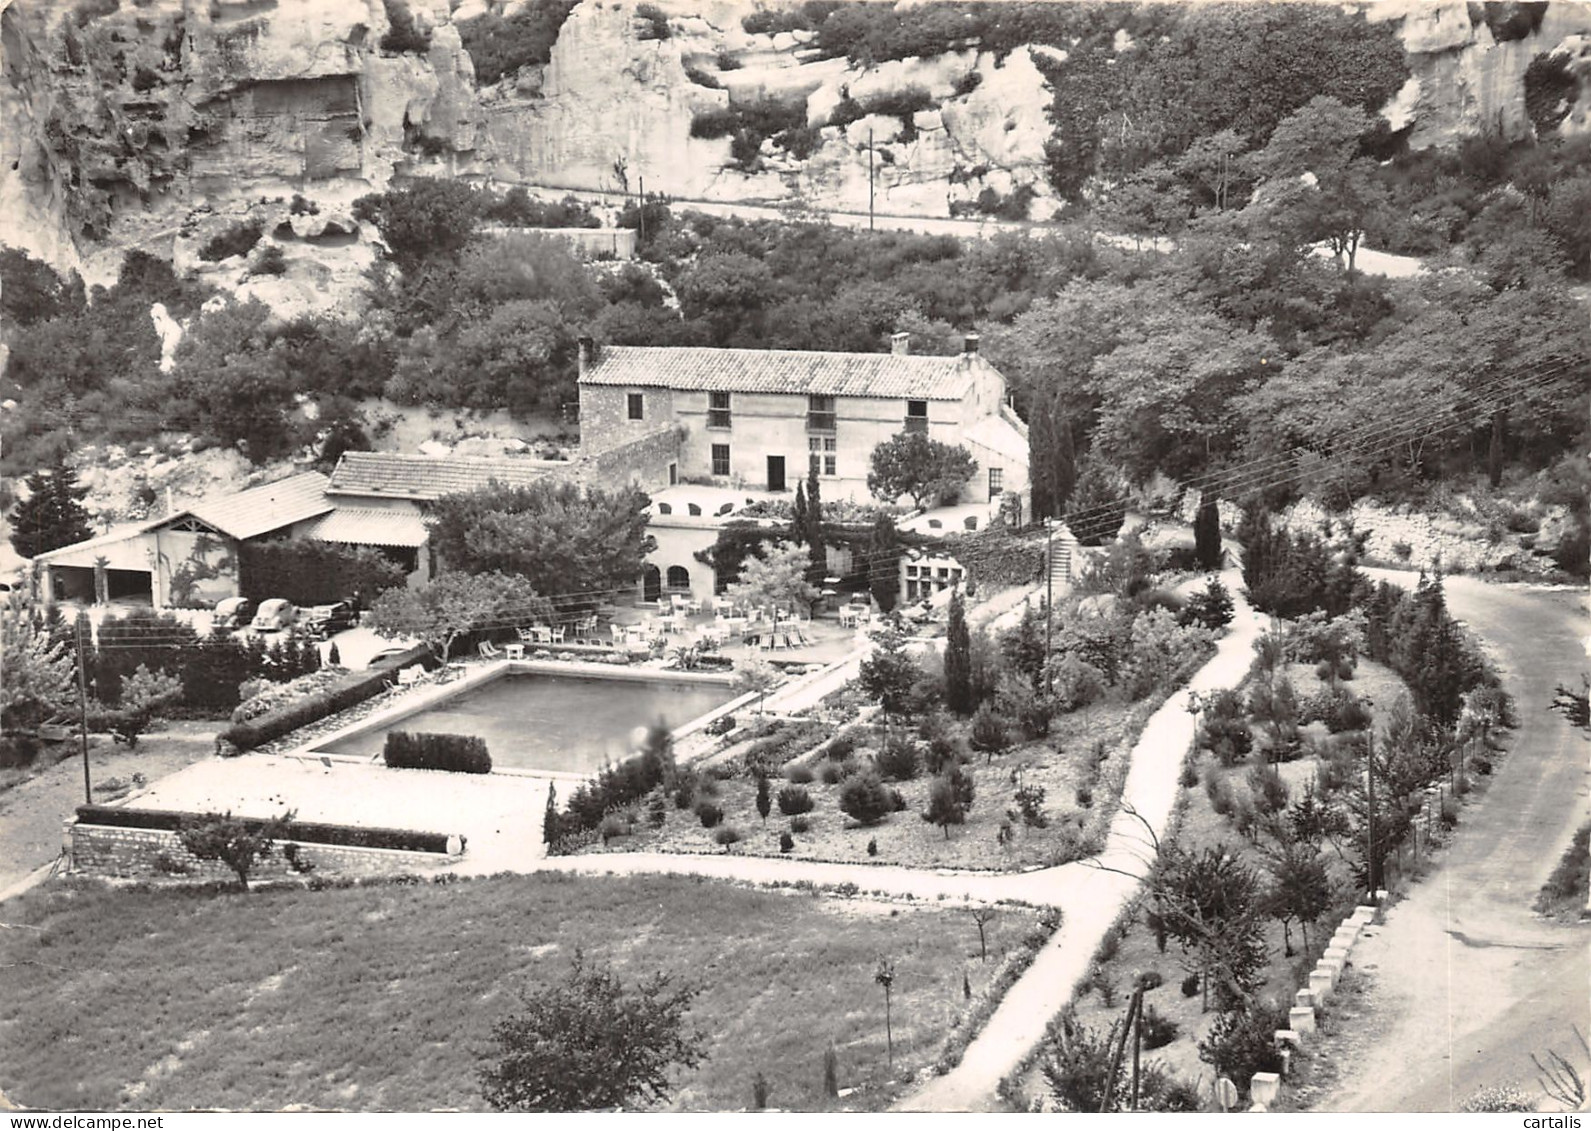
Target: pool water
[550,722]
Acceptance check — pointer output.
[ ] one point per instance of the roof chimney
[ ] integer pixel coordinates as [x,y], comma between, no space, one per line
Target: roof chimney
[900,344]
[588,353]
[969,344]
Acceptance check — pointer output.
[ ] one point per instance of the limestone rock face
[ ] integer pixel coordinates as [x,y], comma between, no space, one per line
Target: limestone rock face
[127,128]
[1470,64]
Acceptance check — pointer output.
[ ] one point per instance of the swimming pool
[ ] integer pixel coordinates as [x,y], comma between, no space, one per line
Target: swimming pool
[551,722]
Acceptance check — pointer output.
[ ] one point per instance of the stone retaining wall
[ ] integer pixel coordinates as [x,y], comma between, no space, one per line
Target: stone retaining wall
[103,850]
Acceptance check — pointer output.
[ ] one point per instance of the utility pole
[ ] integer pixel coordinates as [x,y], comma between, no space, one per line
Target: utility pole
[1370,825]
[82,710]
[870,180]
[1049,596]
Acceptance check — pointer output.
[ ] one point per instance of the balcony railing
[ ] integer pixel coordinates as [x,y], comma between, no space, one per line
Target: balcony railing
[821,421]
[916,424]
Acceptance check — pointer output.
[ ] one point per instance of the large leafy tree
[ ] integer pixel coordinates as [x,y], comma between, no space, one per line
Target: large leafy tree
[590,1042]
[427,218]
[1317,188]
[1164,390]
[234,381]
[455,604]
[889,672]
[561,538]
[926,470]
[52,515]
[779,578]
[1211,903]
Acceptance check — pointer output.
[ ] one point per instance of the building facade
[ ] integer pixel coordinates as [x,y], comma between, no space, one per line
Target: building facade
[761,419]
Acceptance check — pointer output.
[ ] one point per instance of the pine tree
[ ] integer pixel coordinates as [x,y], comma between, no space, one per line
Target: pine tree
[52,516]
[958,659]
[1207,533]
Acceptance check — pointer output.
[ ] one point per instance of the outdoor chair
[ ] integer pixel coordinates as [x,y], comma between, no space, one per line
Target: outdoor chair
[411,675]
[490,651]
[555,635]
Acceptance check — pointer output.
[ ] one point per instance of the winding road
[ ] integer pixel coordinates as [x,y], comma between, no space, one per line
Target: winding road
[1468,981]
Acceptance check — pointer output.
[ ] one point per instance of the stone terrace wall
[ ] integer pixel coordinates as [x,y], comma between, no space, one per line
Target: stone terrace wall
[100,850]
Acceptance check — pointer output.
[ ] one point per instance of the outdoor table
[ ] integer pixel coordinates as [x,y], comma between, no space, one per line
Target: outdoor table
[514,651]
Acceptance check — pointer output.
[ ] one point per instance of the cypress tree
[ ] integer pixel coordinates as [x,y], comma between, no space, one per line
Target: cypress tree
[764,801]
[814,532]
[798,524]
[1494,451]
[958,660]
[883,561]
[1052,458]
[550,822]
[52,516]
[1207,533]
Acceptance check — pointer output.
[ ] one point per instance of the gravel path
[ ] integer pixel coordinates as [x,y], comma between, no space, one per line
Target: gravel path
[1466,980]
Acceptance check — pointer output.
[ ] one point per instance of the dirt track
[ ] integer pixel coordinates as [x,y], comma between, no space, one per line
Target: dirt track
[1468,980]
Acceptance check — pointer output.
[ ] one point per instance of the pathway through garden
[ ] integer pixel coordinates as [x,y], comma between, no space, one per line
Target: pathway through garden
[1091,893]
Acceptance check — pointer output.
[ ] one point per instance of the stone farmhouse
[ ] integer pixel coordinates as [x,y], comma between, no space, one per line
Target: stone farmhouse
[704,431]
[759,419]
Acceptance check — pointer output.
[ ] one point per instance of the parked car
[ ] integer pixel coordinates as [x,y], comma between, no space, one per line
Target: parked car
[234,612]
[322,621]
[274,615]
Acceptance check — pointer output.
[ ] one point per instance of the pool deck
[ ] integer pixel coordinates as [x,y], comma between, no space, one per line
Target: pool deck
[499,813]
[432,693]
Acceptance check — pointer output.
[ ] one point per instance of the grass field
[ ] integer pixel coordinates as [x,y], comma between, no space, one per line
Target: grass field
[383,997]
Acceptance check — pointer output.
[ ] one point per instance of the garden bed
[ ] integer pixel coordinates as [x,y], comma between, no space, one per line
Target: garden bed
[1061,764]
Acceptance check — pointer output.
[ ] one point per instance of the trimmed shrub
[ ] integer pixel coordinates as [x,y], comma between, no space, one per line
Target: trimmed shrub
[1157,1029]
[347,692]
[865,799]
[1151,980]
[306,832]
[727,835]
[841,747]
[831,774]
[455,753]
[798,773]
[786,842]
[794,799]
[800,823]
[1190,986]
[899,759]
[872,846]
[709,814]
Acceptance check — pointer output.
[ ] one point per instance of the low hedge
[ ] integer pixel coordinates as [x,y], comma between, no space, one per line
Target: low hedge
[308,832]
[454,753]
[351,690]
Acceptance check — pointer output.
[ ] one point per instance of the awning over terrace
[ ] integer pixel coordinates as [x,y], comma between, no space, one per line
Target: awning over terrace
[369,526]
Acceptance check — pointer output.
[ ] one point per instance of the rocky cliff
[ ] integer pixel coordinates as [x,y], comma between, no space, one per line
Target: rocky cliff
[151,122]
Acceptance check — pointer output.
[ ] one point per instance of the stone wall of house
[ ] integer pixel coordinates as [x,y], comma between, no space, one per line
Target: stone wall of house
[102,850]
[643,460]
[605,421]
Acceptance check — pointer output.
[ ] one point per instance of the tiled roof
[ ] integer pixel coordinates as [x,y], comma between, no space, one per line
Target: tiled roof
[368,526]
[782,371]
[260,510]
[120,546]
[389,475]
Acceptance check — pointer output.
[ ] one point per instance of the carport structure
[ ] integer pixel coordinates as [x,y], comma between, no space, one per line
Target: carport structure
[187,558]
